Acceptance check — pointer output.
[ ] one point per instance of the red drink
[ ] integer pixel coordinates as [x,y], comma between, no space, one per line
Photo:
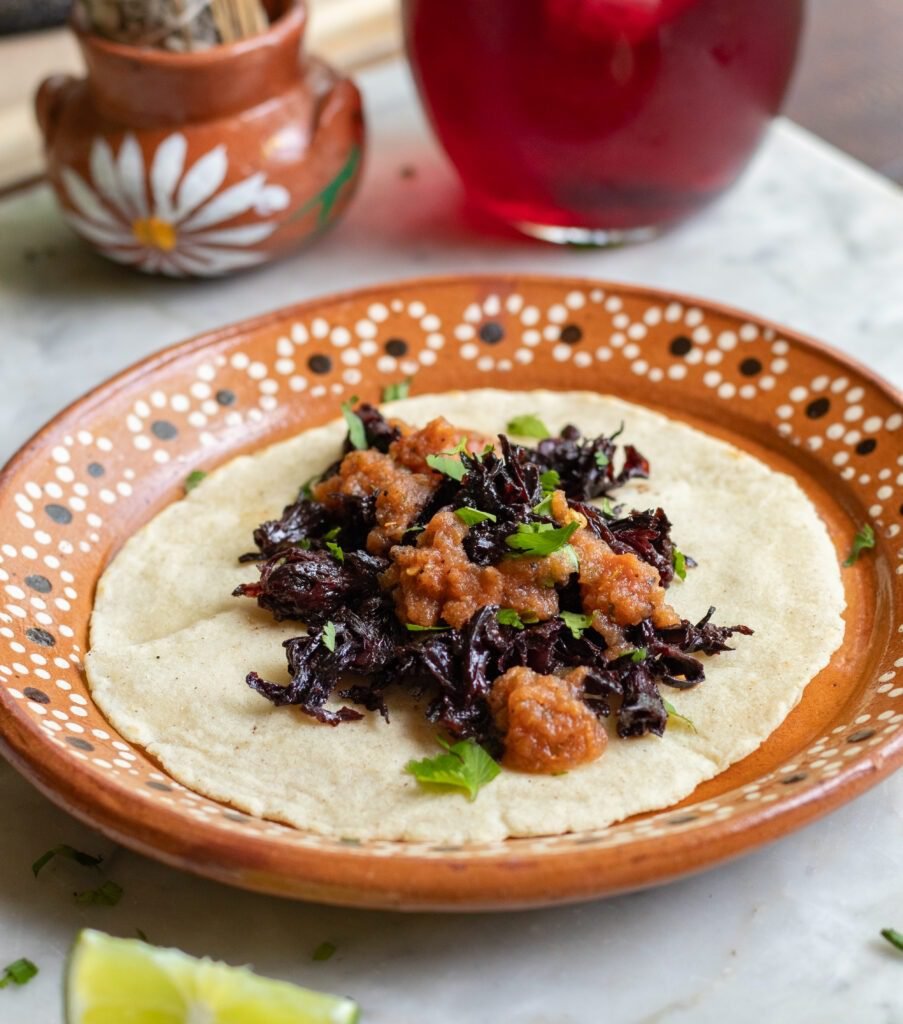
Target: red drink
[600,120]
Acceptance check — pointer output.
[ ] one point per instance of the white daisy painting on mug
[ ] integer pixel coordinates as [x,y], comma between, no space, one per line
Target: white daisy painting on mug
[169,218]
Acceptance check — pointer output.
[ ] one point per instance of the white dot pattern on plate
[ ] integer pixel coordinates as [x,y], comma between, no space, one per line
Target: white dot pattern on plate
[65,499]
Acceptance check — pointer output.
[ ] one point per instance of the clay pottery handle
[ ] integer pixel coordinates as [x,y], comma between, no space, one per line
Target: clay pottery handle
[48,103]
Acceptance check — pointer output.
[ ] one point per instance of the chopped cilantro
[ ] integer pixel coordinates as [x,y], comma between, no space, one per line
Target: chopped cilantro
[325,951]
[193,479]
[536,540]
[335,550]
[327,637]
[472,516]
[544,508]
[602,460]
[333,533]
[306,490]
[401,389]
[894,937]
[576,623]
[608,510]
[528,425]
[549,480]
[509,617]
[638,655]
[415,529]
[677,716]
[356,432]
[18,972]
[414,628]
[465,765]
[106,895]
[864,539]
[87,860]
[450,463]
[679,561]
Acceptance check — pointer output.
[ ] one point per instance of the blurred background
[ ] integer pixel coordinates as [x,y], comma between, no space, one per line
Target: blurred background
[848,87]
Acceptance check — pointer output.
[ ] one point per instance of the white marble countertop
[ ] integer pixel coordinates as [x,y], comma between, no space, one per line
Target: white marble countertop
[789,933]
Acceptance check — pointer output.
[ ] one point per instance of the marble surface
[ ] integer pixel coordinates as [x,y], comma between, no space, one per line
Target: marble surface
[789,933]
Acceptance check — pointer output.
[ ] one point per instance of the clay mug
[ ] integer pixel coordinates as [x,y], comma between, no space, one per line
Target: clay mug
[199,164]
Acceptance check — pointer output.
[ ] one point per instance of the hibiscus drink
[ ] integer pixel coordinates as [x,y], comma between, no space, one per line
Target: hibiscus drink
[600,120]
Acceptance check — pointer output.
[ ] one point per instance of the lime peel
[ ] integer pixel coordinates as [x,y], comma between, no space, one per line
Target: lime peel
[111,979]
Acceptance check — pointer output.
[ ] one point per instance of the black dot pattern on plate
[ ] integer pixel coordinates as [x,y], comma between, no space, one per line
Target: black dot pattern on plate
[234,816]
[750,367]
[39,583]
[40,637]
[586,840]
[791,779]
[683,819]
[79,744]
[164,430]
[860,735]
[319,363]
[161,786]
[491,332]
[95,469]
[817,408]
[33,693]
[225,397]
[571,334]
[680,345]
[866,446]
[396,347]
[59,514]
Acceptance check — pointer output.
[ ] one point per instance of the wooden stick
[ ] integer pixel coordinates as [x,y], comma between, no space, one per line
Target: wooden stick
[174,24]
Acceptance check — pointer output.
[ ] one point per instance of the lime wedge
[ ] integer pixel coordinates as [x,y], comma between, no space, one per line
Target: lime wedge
[125,981]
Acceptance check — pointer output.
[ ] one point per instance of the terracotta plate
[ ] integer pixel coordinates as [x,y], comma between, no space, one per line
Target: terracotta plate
[75,492]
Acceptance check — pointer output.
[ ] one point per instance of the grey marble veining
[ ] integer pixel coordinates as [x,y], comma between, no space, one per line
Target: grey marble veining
[789,933]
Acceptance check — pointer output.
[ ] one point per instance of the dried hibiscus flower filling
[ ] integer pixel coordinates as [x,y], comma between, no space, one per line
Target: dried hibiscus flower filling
[476,576]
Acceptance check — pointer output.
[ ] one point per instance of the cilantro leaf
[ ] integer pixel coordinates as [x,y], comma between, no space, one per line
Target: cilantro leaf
[414,628]
[465,765]
[679,561]
[450,463]
[894,937]
[333,533]
[18,972]
[509,617]
[335,550]
[544,508]
[536,540]
[327,637]
[608,509]
[324,951]
[677,716]
[472,516]
[106,895]
[401,389]
[356,432]
[528,425]
[549,480]
[87,860]
[638,655]
[193,479]
[864,539]
[576,623]
[602,460]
